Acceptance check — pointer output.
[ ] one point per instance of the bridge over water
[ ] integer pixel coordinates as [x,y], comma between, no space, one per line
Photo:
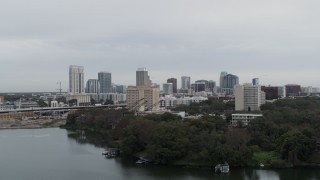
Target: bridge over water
[56,111]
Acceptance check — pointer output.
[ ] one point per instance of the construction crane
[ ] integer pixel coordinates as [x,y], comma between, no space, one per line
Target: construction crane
[60,89]
[154,105]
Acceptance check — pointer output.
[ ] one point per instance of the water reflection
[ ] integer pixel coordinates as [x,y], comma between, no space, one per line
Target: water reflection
[87,137]
[127,169]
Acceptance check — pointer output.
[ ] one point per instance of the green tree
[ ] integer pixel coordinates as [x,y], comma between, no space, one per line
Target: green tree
[295,146]
[169,143]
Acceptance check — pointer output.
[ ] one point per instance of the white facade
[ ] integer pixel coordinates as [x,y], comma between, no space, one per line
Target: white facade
[54,104]
[115,97]
[248,97]
[243,118]
[76,80]
[170,101]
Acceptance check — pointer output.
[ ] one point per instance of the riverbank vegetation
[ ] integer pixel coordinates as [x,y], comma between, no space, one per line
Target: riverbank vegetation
[287,134]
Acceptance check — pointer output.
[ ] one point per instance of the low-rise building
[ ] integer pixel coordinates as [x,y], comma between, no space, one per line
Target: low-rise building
[81,100]
[244,119]
[103,97]
[25,104]
[171,102]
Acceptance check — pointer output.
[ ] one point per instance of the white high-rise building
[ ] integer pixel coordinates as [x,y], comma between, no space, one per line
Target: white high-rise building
[249,97]
[185,82]
[76,80]
[167,88]
[142,77]
[76,87]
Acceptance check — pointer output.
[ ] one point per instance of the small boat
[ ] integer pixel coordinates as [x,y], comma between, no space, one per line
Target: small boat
[111,153]
[222,168]
[261,165]
[143,160]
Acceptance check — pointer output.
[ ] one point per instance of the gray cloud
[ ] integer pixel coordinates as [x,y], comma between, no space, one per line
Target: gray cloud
[277,41]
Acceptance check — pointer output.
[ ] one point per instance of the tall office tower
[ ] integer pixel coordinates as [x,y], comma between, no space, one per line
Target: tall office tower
[174,84]
[105,82]
[143,98]
[212,86]
[76,80]
[229,81]
[167,88]
[249,97]
[142,77]
[255,81]
[185,82]
[222,75]
[93,86]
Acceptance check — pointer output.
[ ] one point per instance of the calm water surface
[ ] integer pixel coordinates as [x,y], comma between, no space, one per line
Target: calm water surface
[51,154]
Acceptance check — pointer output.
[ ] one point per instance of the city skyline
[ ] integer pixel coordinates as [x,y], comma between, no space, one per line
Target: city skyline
[193,80]
[274,41]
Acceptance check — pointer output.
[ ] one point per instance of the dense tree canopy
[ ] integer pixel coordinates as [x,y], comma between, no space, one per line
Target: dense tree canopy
[287,134]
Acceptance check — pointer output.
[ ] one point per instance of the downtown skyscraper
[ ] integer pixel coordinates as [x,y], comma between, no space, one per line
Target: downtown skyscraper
[185,82]
[93,86]
[142,77]
[105,81]
[174,84]
[76,80]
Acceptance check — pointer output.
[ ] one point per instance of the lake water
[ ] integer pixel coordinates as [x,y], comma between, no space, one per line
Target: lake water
[52,154]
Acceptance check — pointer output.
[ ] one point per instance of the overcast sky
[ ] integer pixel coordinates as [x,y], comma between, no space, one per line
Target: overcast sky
[277,41]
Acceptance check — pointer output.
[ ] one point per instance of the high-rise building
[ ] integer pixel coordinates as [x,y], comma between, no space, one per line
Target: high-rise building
[249,97]
[76,80]
[143,98]
[185,82]
[174,84]
[142,77]
[105,82]
[93,86]
[167,88]
[229,81]
[212,86]
[255,81]
[222,75]
[76,87]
